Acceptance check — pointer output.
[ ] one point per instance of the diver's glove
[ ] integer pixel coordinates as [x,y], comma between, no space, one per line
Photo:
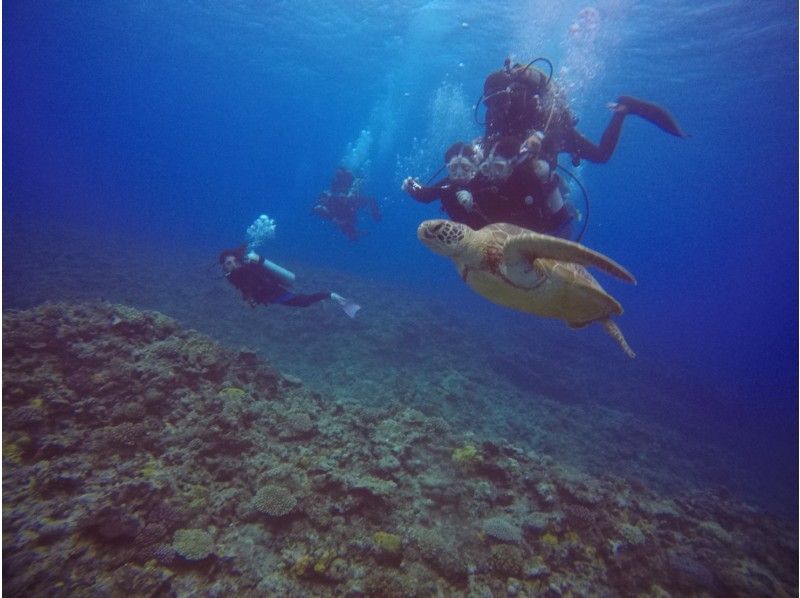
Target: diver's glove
[542,170]
[349,307]
[410,185]
[533,144]
[465,199]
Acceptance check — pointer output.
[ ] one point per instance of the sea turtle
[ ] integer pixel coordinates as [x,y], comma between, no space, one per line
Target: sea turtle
[530,272]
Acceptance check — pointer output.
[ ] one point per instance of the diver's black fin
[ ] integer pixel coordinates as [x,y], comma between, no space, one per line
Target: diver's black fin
[654,113]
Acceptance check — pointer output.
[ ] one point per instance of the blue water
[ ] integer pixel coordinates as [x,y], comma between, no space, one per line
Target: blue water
[183,121]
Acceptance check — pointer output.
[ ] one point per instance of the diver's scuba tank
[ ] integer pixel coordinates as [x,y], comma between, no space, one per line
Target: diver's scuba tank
[516,83]
[534,79]
[285,276]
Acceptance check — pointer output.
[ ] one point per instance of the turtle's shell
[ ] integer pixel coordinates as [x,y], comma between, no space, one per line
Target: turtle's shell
[550,288]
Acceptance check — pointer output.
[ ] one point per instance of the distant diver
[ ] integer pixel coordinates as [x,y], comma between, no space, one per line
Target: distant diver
[342,201]
[262,282]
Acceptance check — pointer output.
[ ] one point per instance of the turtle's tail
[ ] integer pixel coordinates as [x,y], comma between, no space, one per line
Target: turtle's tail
[616,334]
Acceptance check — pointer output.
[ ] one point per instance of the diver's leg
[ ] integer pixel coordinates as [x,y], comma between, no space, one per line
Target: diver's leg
[375,210]
[583,149]
[300,300]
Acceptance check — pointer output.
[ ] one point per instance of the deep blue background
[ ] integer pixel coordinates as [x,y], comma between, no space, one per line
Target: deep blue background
[184,121]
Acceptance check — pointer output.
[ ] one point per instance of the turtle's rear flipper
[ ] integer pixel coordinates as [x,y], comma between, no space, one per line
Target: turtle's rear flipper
[524,248]
[616,334]
[653,113]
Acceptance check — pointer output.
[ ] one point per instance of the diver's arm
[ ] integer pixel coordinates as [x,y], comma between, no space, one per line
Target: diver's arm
[248,296]
[374,209]
[420,193]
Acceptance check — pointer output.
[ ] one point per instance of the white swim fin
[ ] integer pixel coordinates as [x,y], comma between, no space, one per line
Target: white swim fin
[349,307]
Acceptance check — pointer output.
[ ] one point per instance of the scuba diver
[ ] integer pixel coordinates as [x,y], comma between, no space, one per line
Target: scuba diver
[523,101]
[521,189]
[341,202]
[454,191]
[507,185]
[528,124]
[263,282]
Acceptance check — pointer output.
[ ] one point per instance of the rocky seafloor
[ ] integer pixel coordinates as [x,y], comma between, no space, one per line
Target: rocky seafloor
[569,394]
[141,458]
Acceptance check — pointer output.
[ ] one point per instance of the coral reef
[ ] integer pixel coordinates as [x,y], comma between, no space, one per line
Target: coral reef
[193,544]
[143,458]
[502,530]
[274,501]
[388,547]
[500,375]
[466,457]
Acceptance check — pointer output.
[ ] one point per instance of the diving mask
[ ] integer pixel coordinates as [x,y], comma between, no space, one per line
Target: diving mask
[496,167]
[460,168]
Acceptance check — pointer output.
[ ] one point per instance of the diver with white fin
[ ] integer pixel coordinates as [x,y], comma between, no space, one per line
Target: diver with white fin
[349,307]
[262,282]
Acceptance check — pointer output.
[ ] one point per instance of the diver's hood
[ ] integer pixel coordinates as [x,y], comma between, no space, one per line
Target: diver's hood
[527,77]
[496,81]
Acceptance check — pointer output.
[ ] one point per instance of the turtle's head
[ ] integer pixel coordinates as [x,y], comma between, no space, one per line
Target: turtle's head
[442,236]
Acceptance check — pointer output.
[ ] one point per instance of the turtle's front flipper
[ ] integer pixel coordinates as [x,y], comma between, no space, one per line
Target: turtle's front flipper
[616,334]
[523,249]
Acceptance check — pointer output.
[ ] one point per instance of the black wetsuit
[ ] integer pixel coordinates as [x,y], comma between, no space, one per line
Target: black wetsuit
[342,210]
[500,201]
[558,124]
[447,191]
[527,105]
[583,149]
[521,199]
[259,286]
[569,140]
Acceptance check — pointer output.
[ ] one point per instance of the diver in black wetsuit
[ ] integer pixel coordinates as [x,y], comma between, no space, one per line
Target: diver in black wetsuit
[455,190]
[523,102]
[341,202]
[263,283]
[503,186]
[510,174]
